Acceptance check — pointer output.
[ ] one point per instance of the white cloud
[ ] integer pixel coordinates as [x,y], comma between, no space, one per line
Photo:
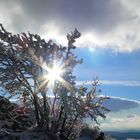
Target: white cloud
[9,11]
[125,99]
[111,82]
[51,31]
[123,83]
[124,37]
[121,123]
[124,116]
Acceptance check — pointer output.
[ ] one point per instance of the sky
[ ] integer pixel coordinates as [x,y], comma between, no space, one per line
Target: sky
[109,45]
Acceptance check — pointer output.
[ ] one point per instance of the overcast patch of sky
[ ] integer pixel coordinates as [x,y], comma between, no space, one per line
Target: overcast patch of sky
[110,23]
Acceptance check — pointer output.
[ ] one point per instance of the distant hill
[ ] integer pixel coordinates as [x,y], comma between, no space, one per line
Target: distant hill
[124,135]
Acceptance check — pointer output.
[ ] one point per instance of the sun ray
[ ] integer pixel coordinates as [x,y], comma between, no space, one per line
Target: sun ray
[54,73]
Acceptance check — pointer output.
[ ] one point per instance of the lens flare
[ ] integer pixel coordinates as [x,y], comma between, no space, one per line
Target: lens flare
[54,74]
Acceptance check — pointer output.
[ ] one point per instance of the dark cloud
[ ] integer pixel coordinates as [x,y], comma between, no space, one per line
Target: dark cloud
[118,104]
[111,23]
[130,116]
[99,15]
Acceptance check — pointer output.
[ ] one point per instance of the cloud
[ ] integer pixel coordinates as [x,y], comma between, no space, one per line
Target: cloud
[116,104]
[104,24]
[122,119]
[121,123]
[124,115]
[130,116]
[107,82]
[123,83]
[100,15]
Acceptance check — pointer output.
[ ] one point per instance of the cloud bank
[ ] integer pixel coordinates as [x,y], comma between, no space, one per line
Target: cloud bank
[123,123]
[116,104]
[111,82]
[110,24]
[124,115]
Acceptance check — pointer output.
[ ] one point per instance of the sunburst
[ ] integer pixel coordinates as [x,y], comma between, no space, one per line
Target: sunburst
[53,73]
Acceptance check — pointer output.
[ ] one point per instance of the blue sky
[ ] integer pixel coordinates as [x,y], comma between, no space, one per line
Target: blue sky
[120,78]
[109,45]
[120,69]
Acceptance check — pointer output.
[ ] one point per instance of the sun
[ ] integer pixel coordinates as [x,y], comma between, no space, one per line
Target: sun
[52,73]
[55,73]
